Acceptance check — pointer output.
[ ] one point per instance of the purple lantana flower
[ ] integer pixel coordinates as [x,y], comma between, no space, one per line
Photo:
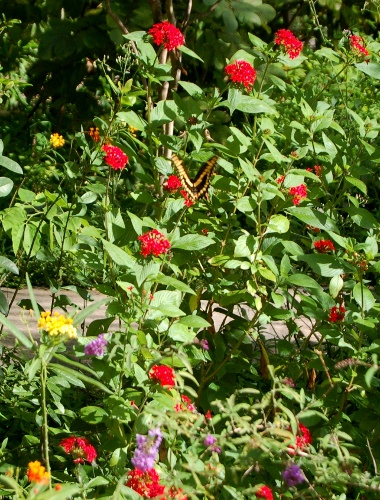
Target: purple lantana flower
[293,475]
[96,347]
[147,449]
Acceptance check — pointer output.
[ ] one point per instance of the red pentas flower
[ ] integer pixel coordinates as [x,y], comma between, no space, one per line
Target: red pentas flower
[115,157]
[264,492]
[291,43]
[80,448]
[337,314]
[280,179]
[324,246]
[163,375]
[172,184]
[302,440]
[241,72]
[357,46]
[166,33]
[147,484]
[298,193]
[153,243]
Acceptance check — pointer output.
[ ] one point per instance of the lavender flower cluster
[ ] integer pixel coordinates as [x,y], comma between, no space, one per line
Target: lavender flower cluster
[147,449]
[293,475]
[96,347]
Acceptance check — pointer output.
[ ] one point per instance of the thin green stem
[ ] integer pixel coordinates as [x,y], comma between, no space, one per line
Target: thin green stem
[45,428]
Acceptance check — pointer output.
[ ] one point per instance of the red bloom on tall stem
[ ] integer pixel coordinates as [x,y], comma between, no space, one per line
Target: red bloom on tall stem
[324,246]
[357,46]
[337,314]
[188,202]
[166,33]
[147,484]
[298,193]
[264,492]
[115,157]
[290,42]
[242,73]
[80,448]
[154,243]
[172,184]
[163,375]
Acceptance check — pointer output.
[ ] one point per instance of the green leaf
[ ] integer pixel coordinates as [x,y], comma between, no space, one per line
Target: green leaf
[363,297]
[75,377]
[181,333]
[88,198]
[370,69]
[329,145]
[191,89]
[93,414]
[16,332]
[324,265]
[249,104]
[371,372]
[303,280]
[335,286]
[362,217]
[189,52]
[119,256]
[194,322]
[8,265]
[313,218]
[4,307]
[357,183]
[66,491]
[278,224]
[10,165]
[277,156]
[6,186]
[192,242]
[311,417]
[178,285]
[132,119]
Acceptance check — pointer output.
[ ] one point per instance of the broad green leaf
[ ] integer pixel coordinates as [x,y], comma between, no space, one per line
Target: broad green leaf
[278,224]
[249,104]
[324,265]
[75,377]
[93,414]
[276,155]
[372,371]
[329,145]
[191,89]
[189,52]
[362,217]
[118,255]
[66,491]
[336,285]
[10,165]
[293,248]
[357,183]
[132,119]
[192,242]
[8,265]
[363,297]
[6,186]
[88,197]
[311,417]
[178,285]
[137,223]
[313,218]
[181,333]
[303,280]
[194,322]
[370,69]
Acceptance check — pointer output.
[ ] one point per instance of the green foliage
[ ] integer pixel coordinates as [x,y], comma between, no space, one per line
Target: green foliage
[261,299]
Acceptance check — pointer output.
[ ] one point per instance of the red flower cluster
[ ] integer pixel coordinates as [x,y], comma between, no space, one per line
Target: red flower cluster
[317,170]
[292,45]
[188,201]
[177,494]
[241,72]
[166,33]
[280,179]
[188,405]
[163,375]
[147,484]
[324,246]
[357,46]
[303,440]
[264,492]
[298,193]
[153,243]
[337,314]
[172,184]
[80,448]
[115,157]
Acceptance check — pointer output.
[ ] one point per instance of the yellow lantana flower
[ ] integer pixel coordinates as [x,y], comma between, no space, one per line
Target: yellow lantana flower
[57,140]
[57,325]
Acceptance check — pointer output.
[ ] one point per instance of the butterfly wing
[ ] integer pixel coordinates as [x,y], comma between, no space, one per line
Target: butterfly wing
[198,187]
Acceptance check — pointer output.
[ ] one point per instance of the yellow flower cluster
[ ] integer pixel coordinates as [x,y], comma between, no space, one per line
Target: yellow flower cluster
[36,473]
[57,325]
[57,140]
[132,130]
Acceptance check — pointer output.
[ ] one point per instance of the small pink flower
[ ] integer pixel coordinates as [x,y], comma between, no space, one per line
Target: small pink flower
[188,202]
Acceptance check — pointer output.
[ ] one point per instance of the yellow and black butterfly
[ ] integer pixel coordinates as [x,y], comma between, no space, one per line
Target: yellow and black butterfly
[198,187]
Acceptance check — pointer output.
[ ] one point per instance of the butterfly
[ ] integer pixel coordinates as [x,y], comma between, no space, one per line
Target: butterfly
[196,188]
